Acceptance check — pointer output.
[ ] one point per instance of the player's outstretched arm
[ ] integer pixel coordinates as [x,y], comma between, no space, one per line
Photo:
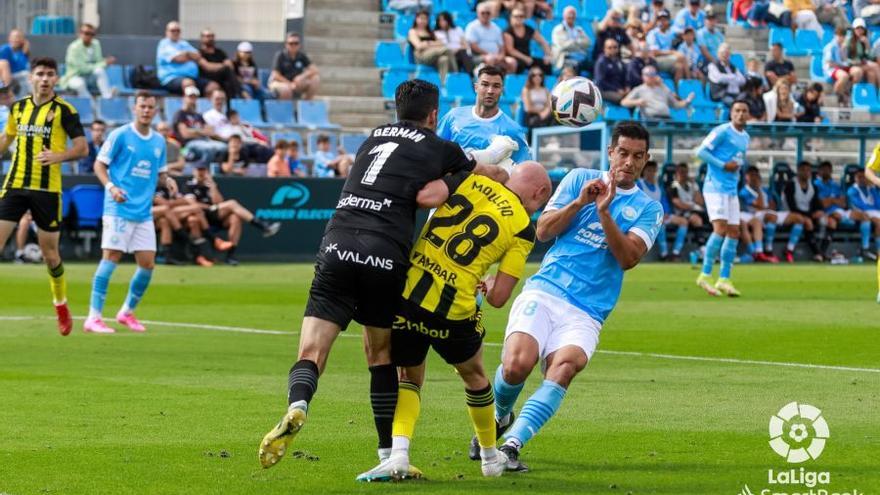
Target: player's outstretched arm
[553,222]
[493,172]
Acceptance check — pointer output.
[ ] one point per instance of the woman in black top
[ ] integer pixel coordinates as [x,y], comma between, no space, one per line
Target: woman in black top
[810,102]
[247,73]
[427,49]
[517,43]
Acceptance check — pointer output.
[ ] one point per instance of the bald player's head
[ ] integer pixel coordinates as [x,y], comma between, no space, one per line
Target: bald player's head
[529,180]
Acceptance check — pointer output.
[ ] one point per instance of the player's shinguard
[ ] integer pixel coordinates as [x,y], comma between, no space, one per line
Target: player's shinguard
[129,164]
[724,151]
[602,225]
[41,124]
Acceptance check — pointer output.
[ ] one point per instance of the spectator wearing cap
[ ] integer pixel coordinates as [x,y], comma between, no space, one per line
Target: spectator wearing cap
[293,74]
[709,38]
[215,65]
[725,80]
[15,65]
[803,15]
[778,67]
[246,71]
[86,65]
[691,51]
[609,74]
[660,42]
[836,65]
[649,14]
[570,42]
[177,63]
[691,17]
[196,136]
[611,27]
[654,98]
[858,49]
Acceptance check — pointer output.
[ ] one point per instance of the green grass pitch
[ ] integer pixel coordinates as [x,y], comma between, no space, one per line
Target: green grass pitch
[181,409]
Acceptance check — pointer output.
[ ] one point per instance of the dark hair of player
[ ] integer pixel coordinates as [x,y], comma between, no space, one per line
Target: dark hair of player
[143,94]
[632,130]
[46,62]
[416,99]
[491,70]
[739,102]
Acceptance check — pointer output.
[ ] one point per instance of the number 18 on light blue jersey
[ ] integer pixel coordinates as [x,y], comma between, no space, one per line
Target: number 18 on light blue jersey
[133,163]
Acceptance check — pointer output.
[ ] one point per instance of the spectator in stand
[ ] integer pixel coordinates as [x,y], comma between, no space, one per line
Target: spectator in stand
[649,15]
[858,50]
[834,200]
[752,95]
[755,201]
[173,156]
[653,98]
[235,164]
[532,8]
[725,79]
[536,100]
[610,27]
[570,42]
[610,73]
[869,10]
[277,165]
[247,73]
[780,104]
[453,37]
[177,63]
[15,67]
[865,199]
[98,130]
[297,167]
[251,148]
[755,71]
[803,15]
[427,49]
[832,12]
[759,13]
[487,41]
[216,66]
[517,43]
[660,41]
[691,51]
[635,66]
[709,38]
[194,134]
[836,66]
[85,65]
[329,163]
[567,73]
[293,74]
[778,67]
[809,107]
[691,17]
[635,33]
[630,8]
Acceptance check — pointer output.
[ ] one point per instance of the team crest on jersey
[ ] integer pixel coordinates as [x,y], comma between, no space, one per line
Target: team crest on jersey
[628,212]
[157,152]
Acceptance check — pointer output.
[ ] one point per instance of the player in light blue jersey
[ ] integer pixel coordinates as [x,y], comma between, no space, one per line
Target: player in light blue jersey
[724,151]
[649,185]
[477,128]
[130,164]
[602,225]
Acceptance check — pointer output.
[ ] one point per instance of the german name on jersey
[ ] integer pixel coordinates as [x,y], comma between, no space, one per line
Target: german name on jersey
[37,128]
[134,163]
[481,223]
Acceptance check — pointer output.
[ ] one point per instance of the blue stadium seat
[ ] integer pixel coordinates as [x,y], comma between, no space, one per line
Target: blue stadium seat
[6,166]
[669,83]
[83,107]
[352,142]
[280,113]
[313,142]
[116,75]
[593,9]
[459,85]
[546,29]
[172,105]
[289,136]
[314,114]
[864,97]
[782,35]
[249,111]
[550,81]
[264,74]
[65,203]
[114,111]
[391,80]
[88,199]
[402,25]
[501,22]
[688,86]
[617,112]
[203,104]
[456,6]
[737,60]
[560,5]
[513,86]
[704,115]
[52,24]
[817,73]
[390,56]
[462,19]
[537,51]
[807,43]
[678,114]
[428,73]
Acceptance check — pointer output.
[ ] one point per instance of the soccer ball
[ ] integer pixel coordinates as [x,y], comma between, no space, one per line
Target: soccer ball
[576,102]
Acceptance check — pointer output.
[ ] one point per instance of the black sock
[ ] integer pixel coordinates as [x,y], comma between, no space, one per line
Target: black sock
[230,253]
[383,397]
[302,381]
[256,222]
[201,245]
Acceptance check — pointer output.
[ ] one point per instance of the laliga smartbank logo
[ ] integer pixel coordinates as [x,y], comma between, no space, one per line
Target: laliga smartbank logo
[798,434]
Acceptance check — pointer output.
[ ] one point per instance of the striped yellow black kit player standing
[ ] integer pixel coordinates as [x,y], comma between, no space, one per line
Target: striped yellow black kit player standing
[872,173]
[40,125]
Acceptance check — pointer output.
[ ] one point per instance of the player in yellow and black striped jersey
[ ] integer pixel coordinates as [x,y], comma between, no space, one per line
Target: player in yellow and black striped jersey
[40,125]
[872,173]
[482,223]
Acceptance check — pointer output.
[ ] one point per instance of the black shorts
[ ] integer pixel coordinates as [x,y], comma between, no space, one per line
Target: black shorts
[416,329]
[45,207]
[358,276]
[213,217]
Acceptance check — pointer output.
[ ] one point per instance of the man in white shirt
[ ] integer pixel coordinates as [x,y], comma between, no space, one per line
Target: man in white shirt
[570,42]
[486,41]
[218,119]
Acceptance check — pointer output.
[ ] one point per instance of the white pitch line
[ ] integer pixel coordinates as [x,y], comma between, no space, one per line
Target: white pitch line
[225,328]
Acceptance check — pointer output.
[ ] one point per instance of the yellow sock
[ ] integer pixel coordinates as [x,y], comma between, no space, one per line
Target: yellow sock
[406,413]
[58,284]
[481,408]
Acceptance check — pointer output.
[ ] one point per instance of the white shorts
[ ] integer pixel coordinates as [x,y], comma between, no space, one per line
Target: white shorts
[553,322]
[747,216]
[873,214]
[781,216]
[722,207]
[127,236]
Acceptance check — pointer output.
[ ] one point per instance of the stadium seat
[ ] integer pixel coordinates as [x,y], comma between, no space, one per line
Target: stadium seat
[779,175]
[53,25]
[88,200]
[817,73]
[669,83]
[446,104]
[280,113]
[456,6]
[390,56]
[65,203]
[203,104]
[264,74]
[314,114]
[864,97]
[83,107]
[289,136]
[560,5]
[688,86]
[513,86]
[249,111]
[594,10]
[546,29]
[428,73]
[617,112]
[313,142]
[784,36]
[704,115]
[402,24]
[116,75]
[678,114]
[459,85]
[550,81]
[390,81]
[807,42]
[537,51]
[352,142]
[114,111]
[172,105]
[737,60]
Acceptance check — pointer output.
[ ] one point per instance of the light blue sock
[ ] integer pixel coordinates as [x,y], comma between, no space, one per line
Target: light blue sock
[795,236]
[865,230]
[540,407]
[877,242]
[139,283]
[99,286]
[755,247]
[661,241]
[728,253]
[713,246]
[769,236]
[505,394]
[680,236]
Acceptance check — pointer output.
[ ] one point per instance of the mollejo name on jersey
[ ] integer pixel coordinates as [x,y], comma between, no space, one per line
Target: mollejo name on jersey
[503,205]
[403,132]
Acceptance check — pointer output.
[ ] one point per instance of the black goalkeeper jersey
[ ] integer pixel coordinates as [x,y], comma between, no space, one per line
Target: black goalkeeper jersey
[390,168]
